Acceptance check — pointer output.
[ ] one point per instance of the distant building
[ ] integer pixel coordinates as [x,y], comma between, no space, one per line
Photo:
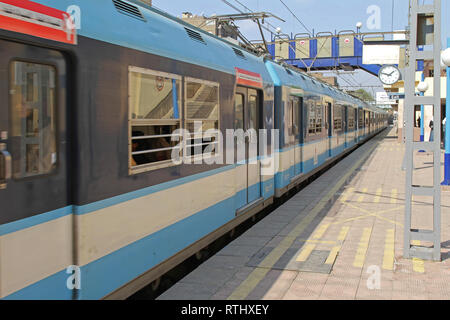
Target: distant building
[200,22]
[149,2]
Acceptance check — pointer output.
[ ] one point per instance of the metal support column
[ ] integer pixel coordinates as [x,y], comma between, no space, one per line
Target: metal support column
[447,129]
[422,116]
[411,100]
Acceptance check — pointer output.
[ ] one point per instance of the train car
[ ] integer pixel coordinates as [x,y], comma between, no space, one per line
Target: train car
[317,124]
[93,184]
[93,204]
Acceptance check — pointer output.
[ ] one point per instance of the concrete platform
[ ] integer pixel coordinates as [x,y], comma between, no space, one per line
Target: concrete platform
[339,238]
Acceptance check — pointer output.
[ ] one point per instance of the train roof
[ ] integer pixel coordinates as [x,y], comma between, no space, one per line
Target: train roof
[134,25]
[284,76]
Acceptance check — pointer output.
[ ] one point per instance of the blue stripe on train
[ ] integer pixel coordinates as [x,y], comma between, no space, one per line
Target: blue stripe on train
[108,273]
[283,179]
[35,220]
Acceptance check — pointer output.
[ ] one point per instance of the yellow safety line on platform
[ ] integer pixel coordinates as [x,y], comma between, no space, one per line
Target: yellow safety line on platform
[343,233]
[247,286]
[418,264]
[317,241]
[321,231]
[389,250]
[362,248]
[303,256]
[378,195]
[333,255]
[369,214]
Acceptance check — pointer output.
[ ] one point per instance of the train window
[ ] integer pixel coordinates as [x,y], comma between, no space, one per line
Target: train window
[253,103]
[33,122]
[337,117]
[202,118]
[319,119]
[296,115]
[154,100]
[239,112]
[312,119]
[351,119]
[360,119]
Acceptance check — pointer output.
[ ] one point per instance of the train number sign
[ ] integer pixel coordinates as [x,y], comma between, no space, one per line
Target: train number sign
[248,78]
[34,19]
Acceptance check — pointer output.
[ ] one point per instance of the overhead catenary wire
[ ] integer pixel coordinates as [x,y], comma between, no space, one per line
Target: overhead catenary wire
[232,6]
[295,16]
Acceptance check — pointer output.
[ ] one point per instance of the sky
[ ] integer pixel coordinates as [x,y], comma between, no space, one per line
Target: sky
[317,16]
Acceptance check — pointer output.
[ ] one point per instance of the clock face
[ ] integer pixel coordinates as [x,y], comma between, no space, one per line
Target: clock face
[389,75]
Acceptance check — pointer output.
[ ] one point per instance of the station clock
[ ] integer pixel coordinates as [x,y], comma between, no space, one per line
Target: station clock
[389,75]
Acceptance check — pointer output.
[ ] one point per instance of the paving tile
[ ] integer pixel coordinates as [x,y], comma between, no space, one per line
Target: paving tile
[273,286]
[239,251]
[188,291]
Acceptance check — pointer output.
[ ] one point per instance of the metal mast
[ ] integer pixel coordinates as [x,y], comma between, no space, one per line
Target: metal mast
[419,15]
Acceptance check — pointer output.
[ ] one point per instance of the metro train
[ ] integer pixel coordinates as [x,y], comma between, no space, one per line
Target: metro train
[92,205]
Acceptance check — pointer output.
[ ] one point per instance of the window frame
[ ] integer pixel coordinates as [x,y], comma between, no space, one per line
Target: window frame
[186,120]
[153,122]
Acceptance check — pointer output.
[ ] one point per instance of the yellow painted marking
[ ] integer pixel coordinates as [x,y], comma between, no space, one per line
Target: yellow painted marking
[394,196]
[247,286]
[347,194]
[418,264]
[343,233]
[389,250]
[321,231]
[317,241]
[361,198]
[378,195]
[303,256]
[333,254]
[362,248]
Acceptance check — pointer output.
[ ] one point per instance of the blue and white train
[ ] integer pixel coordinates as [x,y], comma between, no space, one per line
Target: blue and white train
[91,205]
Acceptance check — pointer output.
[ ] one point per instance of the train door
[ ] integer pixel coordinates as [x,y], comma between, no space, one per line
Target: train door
[345,125]
[33,139]
[247,118]
[297,112]
[329,127]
